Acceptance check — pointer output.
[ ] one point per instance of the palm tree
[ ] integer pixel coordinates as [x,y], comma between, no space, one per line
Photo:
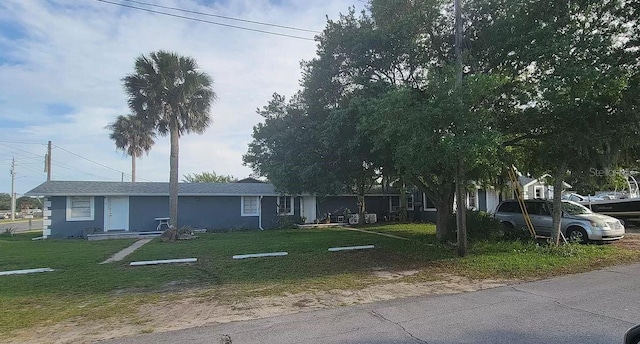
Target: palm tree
[133,137]
[170,95]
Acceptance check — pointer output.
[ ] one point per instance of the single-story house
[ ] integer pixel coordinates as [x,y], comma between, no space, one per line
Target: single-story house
[538,187]
[75,208]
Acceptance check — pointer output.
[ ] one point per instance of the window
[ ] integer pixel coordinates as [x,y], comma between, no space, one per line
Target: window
[410,202]
[285,205]
[471,200]
[249,206]
[80,208]
[538,191]
[534,208]
[394,203]
[428,205]
[509,207]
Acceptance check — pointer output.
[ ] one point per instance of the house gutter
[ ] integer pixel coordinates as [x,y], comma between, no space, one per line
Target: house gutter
[260,213]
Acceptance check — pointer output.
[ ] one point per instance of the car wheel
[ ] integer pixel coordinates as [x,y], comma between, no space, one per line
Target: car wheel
[577,235]
[507,226]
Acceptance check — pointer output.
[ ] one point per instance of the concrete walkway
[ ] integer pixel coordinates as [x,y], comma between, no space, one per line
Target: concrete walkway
[127,251]
[377,233]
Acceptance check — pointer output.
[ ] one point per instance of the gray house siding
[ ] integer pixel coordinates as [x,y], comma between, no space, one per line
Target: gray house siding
[269,209]
[482,199]
[376,204]
[61,228]
[428,216]
[336,205]
[211,212]
[144,209]
[270,217]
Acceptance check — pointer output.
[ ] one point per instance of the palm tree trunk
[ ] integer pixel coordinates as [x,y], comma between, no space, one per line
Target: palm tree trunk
[173,177]
[133,168]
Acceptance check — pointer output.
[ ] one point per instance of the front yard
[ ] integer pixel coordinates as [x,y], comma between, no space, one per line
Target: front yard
[93,300]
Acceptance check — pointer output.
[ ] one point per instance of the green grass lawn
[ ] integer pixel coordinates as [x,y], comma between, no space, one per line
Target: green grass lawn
[80,288]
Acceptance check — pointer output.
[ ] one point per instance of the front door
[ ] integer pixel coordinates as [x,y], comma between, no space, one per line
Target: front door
[308,208]
[116,213]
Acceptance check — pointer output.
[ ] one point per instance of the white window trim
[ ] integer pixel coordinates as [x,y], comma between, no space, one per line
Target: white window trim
[242,213]
[412,207]
[92,208]
[475,198]
[391,203]
[292,208]
[409,196]
[542,193]
[424,205]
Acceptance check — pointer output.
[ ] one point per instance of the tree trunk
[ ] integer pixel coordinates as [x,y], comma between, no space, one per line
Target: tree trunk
[133,168]
[403,201]
[442,196]
[173,177]
[444,209]
[557,203]
[461,211]
[361,209]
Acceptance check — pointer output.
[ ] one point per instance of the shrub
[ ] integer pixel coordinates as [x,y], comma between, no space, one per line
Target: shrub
[519,233]
[481,226]
[289,221]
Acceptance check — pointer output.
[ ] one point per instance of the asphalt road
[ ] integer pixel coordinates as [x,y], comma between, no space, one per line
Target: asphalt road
[21,225]
[594,307]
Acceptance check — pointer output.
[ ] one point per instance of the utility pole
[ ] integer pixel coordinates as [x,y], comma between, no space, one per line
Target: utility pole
[13,189]
[47,161]
[461,210]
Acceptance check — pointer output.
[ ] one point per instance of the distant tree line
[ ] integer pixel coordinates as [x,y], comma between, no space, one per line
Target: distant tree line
[29,202]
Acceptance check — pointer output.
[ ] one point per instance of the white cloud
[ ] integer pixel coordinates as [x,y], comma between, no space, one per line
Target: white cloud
[76,53]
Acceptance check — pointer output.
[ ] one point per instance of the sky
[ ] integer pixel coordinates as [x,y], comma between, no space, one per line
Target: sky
[62,64]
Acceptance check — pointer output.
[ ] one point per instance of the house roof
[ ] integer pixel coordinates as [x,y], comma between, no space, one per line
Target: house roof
[249,180]
[528,181]
[91,188]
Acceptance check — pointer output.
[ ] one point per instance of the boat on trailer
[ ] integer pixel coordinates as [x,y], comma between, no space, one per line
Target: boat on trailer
[624,209]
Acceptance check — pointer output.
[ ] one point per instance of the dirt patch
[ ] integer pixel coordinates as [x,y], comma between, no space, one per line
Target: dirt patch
[392,275]
[630,241]
[193,311]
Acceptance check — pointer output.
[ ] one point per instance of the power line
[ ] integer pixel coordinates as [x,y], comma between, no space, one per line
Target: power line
[80,156]
[206,21]
[22,142]
[97,163]
[20,167]
[223,17]
[89,173]
[21,150]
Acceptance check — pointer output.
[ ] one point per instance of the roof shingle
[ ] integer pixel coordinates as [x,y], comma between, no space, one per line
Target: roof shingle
[91,188]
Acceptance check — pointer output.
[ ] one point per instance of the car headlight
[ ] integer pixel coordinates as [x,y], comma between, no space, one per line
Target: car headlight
[598,224]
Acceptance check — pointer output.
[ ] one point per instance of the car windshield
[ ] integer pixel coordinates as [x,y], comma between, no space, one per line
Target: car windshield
[573,208]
